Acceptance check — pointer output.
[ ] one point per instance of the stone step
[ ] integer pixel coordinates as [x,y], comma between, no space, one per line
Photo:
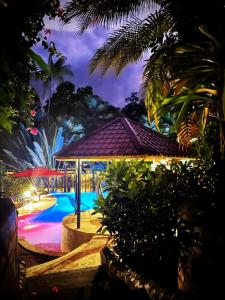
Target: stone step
[83,284]
[61,285]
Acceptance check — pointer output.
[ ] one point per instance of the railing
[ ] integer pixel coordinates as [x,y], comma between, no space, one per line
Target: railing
[73,203]
[66,183]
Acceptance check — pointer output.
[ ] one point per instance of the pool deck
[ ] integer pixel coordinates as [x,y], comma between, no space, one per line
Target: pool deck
[44,203]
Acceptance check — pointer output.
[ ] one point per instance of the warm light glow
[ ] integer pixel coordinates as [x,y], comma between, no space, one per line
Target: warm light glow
[27,194]
[28,227]
[35,198]
[153,166]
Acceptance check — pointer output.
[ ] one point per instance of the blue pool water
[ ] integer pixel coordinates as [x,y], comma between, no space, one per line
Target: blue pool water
[65,204]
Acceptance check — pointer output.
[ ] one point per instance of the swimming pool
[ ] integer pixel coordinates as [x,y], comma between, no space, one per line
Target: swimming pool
[65,204]
[43,229]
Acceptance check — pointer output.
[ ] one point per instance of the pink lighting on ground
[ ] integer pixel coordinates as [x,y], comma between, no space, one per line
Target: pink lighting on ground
[45,235]
[28,227]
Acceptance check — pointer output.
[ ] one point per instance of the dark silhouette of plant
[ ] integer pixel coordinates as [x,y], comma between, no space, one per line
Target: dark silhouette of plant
[80,109]
[156,222]
[135,109]
[15,61]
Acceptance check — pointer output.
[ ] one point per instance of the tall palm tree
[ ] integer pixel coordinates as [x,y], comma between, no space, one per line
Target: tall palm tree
[53,71]
[56,72]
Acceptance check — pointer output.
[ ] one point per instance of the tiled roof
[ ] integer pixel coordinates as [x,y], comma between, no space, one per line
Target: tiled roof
[121,137]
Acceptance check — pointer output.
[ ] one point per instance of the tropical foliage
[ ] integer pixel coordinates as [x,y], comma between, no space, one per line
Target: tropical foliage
[14,52]
[135,109]
[156,222]
[52,72]
[201,86]
[80,111]
[27,151]
[184,49]
[131,41]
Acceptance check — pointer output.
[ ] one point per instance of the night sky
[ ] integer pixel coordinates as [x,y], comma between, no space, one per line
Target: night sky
[79,49]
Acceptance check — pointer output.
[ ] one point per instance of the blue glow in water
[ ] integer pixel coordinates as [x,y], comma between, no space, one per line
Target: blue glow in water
[65,204]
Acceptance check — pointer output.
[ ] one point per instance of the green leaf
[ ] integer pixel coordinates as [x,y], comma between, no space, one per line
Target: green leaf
[39,61]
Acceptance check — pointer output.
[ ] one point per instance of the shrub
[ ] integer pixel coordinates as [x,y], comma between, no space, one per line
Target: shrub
[155,218]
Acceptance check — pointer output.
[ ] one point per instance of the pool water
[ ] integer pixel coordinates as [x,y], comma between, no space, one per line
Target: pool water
[43,229]
[65,204]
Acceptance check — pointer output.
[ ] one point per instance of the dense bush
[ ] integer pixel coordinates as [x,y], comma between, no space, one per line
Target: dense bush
[155,218]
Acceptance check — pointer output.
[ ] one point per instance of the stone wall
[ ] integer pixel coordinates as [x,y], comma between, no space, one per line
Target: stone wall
[73,237]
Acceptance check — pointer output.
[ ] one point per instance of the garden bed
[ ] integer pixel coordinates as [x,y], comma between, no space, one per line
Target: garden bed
[151,289]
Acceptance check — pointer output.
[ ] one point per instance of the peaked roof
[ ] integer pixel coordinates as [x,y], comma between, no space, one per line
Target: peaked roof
[121,138]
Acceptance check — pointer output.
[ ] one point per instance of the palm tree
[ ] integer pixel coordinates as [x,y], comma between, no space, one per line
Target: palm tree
[133,39]
[159,27]
[53,71]
[148,30]
[56,72]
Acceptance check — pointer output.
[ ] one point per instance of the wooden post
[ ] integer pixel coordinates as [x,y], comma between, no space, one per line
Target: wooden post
[65,179]
[78,195]
[75,188]
[2,176]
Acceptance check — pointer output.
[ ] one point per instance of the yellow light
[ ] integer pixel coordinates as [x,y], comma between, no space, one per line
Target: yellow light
[27,194]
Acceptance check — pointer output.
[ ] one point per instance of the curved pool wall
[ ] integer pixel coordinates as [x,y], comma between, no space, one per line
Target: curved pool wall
[43,229]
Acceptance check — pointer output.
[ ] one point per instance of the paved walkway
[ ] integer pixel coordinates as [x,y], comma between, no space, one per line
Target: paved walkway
[82,284]
[74,275]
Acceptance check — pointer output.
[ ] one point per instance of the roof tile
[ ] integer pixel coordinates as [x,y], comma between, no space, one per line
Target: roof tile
[122,137]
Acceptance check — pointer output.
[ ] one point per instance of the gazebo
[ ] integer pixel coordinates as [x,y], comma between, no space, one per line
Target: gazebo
[121,138]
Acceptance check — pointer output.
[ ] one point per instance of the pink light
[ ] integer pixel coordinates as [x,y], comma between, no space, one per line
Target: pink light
[28,227]
[45,235]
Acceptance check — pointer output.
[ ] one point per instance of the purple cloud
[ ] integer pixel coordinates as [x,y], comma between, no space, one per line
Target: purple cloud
[79,49]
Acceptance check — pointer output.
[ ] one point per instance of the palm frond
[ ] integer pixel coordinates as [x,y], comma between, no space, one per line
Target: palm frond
[189,131]
[130,42]
[38,150]
[45,146]
[161,64]
[58,142]
[39,61]
[89,13]
[25,164]
[154,95]
[29,154]
[16,163]
[35,158]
